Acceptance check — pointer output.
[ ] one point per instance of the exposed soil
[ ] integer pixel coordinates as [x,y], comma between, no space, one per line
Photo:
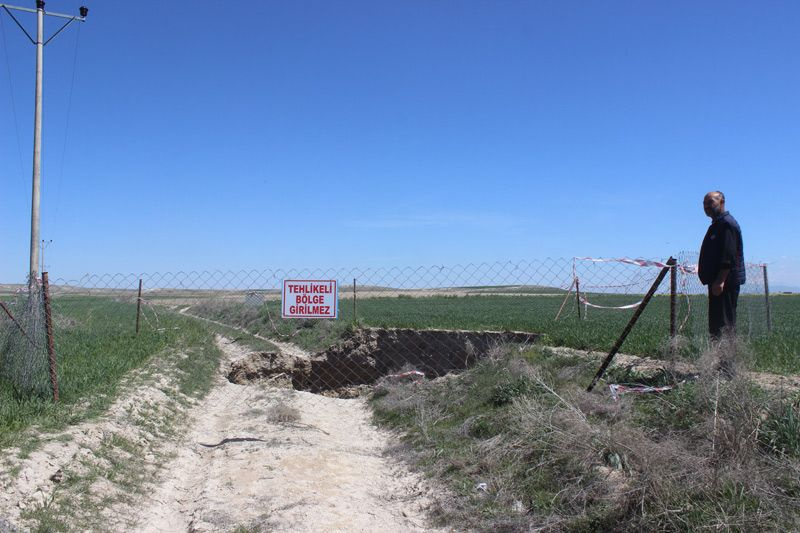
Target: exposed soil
[243,465]
[69,470]
[370,354]
[257,456]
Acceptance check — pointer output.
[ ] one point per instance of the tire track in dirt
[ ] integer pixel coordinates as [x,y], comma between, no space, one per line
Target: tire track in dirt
[292,350]
[327,471]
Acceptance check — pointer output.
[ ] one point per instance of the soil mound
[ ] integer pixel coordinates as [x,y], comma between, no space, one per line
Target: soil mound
[260,367]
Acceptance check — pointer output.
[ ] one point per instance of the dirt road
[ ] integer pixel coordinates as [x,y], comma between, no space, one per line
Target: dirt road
[265,458]
[247,457]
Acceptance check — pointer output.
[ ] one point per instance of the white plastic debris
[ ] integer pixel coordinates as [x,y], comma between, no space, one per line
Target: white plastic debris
[413,374]
[618,390]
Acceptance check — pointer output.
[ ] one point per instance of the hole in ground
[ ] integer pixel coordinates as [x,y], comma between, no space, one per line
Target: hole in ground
[369,354]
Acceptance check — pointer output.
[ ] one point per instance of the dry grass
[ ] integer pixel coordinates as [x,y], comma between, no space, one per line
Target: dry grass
[283,413]
[555,457]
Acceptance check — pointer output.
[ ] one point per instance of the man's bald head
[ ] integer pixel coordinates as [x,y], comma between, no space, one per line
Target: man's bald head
[714,203]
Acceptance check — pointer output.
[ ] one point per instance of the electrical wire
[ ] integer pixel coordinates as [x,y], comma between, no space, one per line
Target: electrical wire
[13,105]
[66,127]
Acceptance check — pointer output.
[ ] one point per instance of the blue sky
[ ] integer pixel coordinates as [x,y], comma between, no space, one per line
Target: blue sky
[226,135]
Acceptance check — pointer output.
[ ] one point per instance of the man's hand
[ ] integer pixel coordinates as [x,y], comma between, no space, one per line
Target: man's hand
[716,287]
[719,283]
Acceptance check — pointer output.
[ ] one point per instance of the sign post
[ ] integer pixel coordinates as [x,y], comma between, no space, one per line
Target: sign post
[310,298]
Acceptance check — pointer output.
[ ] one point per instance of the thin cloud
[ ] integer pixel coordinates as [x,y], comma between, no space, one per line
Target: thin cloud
[441,220]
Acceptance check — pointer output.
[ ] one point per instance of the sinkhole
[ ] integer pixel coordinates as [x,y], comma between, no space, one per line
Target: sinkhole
[369,354]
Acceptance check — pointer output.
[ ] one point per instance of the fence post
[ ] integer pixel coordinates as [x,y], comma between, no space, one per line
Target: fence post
[673,306]
[355,316]
[578,296]
[766,296]
[51,350]
[138,305]
[569,291]
[629,327]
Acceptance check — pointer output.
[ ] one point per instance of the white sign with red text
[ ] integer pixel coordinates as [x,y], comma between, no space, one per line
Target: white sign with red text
[309,298]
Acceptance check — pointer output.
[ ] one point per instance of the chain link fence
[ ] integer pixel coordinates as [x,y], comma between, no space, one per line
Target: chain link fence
[400,322]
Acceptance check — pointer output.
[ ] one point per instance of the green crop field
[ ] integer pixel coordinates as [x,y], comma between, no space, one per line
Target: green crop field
[775,351]
[96,345]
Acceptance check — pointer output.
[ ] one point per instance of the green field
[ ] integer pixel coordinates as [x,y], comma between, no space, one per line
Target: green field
[96,347]
[775,351]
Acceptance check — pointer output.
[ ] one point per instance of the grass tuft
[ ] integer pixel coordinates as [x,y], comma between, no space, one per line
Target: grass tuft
[711,454]
[283,413]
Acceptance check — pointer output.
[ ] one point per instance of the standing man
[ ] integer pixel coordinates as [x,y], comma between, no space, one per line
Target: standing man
[721,266]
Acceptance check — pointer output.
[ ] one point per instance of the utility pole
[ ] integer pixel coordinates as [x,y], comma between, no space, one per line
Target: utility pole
[37,120]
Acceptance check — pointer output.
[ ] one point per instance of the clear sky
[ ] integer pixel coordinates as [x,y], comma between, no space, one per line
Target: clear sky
[229,135]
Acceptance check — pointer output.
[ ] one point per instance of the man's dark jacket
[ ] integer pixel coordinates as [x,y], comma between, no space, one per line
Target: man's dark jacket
[722,248]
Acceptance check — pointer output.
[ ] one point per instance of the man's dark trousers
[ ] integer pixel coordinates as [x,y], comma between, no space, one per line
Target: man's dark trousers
[722,311]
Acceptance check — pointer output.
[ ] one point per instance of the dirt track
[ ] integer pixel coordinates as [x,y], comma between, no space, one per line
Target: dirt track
[326,471]
[159,461]
[255,456]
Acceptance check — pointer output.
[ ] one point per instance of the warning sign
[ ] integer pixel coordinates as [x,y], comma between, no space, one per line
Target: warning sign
[309,298]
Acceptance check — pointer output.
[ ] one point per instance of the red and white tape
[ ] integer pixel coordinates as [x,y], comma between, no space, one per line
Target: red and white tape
[584,301]
[685,268]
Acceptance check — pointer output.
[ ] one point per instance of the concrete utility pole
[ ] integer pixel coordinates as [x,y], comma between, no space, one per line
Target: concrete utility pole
[37,120]
[37,143]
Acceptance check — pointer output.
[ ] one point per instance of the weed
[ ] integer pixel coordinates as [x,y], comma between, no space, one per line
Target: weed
[578,461]
[780,430]
[281,412]
[504,393]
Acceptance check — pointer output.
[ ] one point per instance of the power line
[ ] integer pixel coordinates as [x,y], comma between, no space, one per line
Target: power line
[39,42]
[13,105]
[66,127]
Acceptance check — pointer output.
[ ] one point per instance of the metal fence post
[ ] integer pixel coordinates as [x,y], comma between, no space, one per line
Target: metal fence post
[138,305]
[766,297]
[355,316]
[564,303]
[673,306]
[578,296]
[51,350]
[614,349]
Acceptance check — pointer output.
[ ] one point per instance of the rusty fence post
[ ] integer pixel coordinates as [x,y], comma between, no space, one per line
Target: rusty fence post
[766,298]
[51,350]
[673,306]
[614,349]
[138,306]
